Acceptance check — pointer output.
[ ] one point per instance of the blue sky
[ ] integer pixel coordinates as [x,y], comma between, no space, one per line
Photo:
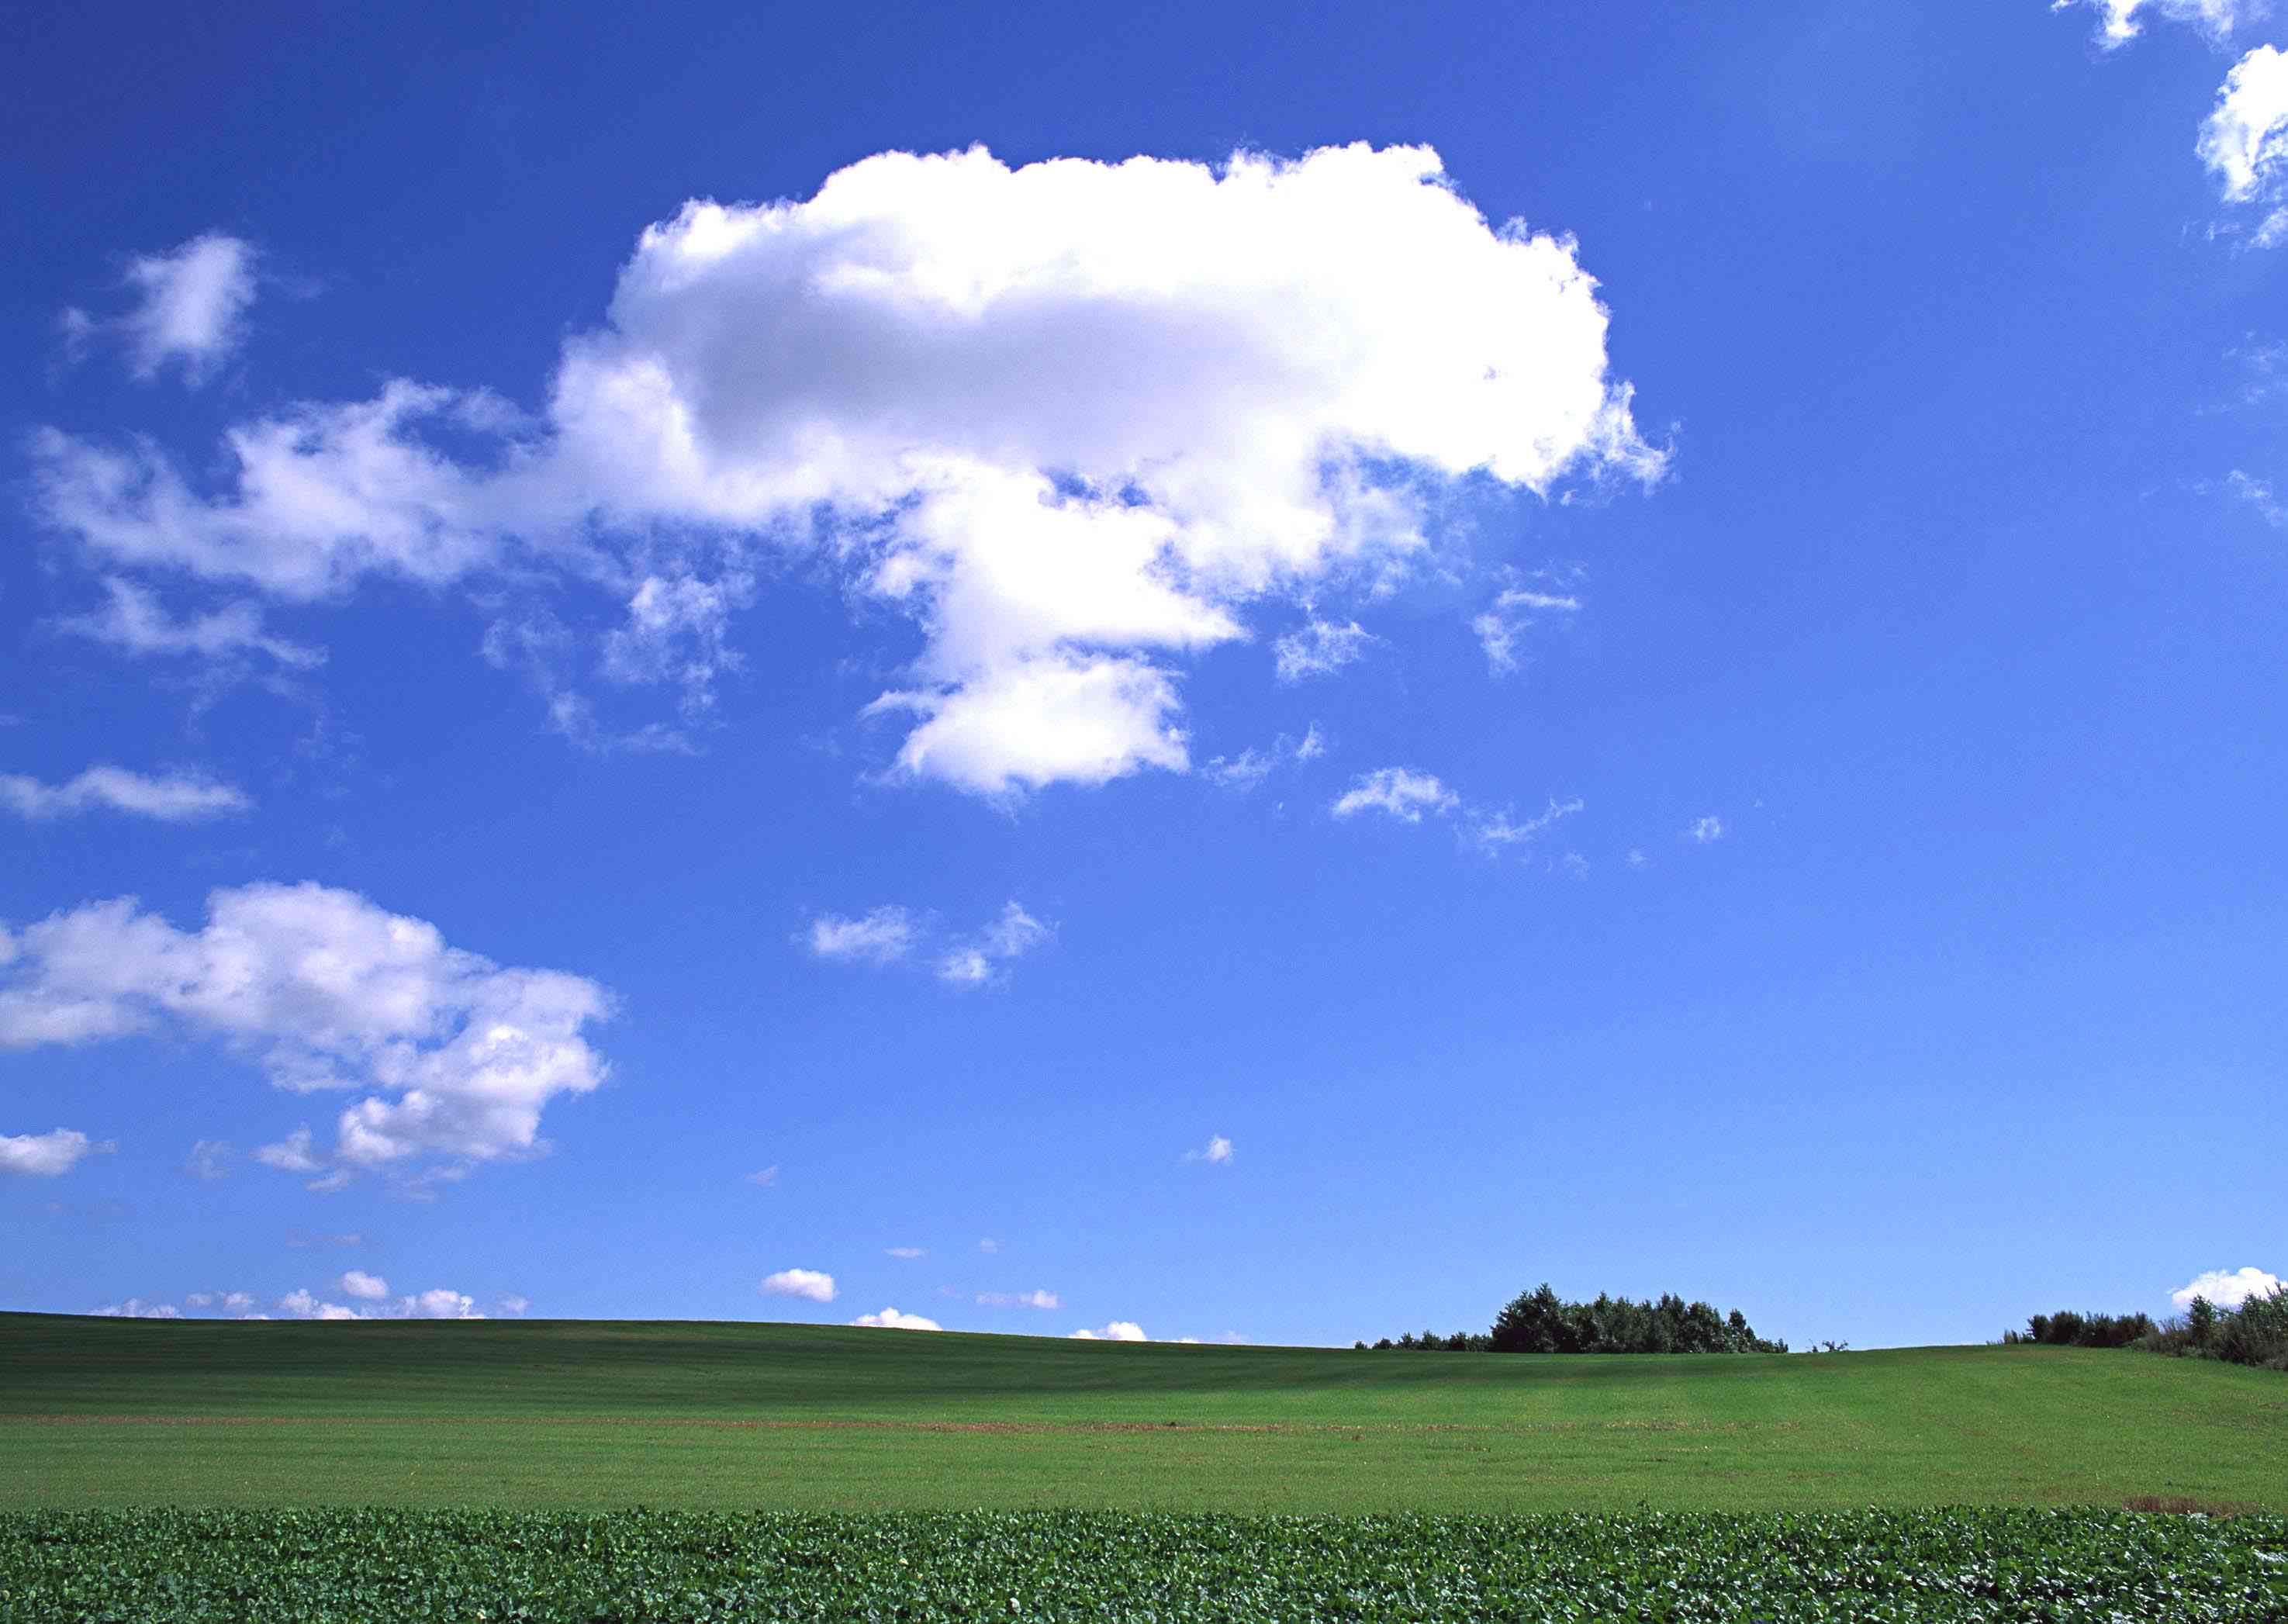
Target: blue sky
[645,663]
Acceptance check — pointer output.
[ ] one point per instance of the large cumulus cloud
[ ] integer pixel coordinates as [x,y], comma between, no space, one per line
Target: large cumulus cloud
[1073,418]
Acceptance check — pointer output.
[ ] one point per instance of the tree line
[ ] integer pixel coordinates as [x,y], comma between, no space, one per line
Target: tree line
[2256,1333]
[1540,1321]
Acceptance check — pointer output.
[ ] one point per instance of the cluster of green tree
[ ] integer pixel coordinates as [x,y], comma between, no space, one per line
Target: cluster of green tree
[2068,1330]
[2256,1333]
[1540,1321]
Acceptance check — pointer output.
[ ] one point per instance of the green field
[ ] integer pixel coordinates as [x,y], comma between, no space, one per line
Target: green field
[103,1413]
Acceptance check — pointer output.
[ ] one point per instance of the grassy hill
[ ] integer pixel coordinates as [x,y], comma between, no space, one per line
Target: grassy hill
[593,1414]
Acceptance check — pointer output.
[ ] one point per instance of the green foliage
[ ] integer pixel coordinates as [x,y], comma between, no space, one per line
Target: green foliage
[393,1567]
[2256,1333]
[1539,1321]
[2068,1330]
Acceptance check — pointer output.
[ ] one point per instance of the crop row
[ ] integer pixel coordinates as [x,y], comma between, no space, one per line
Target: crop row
[380,1566]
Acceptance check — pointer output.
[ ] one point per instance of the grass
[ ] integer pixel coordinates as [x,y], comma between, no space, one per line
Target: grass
[597,1414]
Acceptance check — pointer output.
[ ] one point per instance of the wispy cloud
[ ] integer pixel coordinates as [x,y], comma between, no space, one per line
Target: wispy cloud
[189,309]
[1320,649]
[1019,1299]
[172,799]
[1215,1152]
[1706,831]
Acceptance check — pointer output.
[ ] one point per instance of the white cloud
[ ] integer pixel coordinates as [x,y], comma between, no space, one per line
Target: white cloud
[209,1158]
[2215,18]
[190,307]
[48,1155]
[1707,830]
[369,1287]
[814,1284]
[765,1177]
[513,1303]
[1011,936]
[1216,1152]
[907,1253]
[1400,791]
[1019,1299]
[1506,622]
[174,799]
[1495,831]
[882,937]
[441,1303]
[135,1308]
[328,992]
[134,622]
[302,1305]
[1072,419]
[890,1319]
[1247,769]
[2245,143]
[989,1246]
[1119,1330]
[2227,1288]
[2259,495]
[1320,649]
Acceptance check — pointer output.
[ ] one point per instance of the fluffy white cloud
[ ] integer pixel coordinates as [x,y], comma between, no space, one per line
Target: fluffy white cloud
[1707,830]
[1020,1299]
[173,799]
[328,992]
[814,1284]
[1073,418]
[1216,1152]
[1320,649]
[2244,142]
[48,1155]
[890,1319]
[1506,621]
[2227,1288]
[882,937]
[441,1303]
[1119,1330]
[1400,791]
[368,1287]
[2120,21]
[133,620]
[303,1304]
[189,311]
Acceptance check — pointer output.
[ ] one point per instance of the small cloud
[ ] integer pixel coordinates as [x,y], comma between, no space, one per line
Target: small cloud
[1247,770]
[135,1308]
[190,307]
[890,1319]
[1216,1152]
[1119,1330]
[989,1246]
[1320,649]
[814,1283]
[135,622]
[1494,832]
[2226,1289]
[907,1253]
[1401,792]
[290,1154]
[1019,1299]
[173,799]
[367,1287]
[1510,617]
[882,937]
[48,1155]
[1707,831]
[514,1304]
[304,1306]
[765,1177]
[210,1160]
[441,1303]
[1007,938]
[2258,495]
[1636,857]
